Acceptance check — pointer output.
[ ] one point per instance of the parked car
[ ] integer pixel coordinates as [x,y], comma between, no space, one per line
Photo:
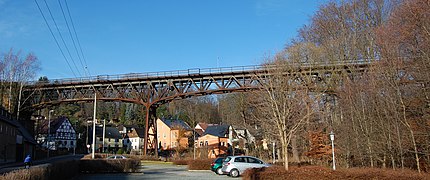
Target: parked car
[216,166]
[116,157]
[236,165]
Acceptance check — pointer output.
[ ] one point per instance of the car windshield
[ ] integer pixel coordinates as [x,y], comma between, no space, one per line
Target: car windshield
[227,159]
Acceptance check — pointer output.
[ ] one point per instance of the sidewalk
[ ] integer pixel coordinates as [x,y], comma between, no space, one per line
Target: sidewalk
[4,168]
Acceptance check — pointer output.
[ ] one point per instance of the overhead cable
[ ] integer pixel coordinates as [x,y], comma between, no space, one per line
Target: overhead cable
[56,41]
[77,38]
[62,39]
[71,37]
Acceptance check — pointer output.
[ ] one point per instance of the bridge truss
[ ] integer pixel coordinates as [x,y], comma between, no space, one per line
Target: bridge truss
[154,89]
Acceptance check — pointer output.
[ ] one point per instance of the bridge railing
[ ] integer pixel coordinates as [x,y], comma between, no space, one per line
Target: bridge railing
[187,72]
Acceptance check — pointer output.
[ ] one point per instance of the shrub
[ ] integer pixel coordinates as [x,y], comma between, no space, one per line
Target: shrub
[200,164]
[108,165]
[120,151]
[57,170]
[36,173]
[316,172]
[181,161]
[96,156]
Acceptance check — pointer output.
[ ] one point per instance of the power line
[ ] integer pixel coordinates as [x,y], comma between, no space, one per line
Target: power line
[62,39]
[71,37]
[56,41]
[77,39]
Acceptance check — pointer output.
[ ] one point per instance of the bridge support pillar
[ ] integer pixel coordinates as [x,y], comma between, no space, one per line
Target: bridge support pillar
[150,141]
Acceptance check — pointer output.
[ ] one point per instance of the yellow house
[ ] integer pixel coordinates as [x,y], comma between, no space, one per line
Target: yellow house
[215,140]
[172,134]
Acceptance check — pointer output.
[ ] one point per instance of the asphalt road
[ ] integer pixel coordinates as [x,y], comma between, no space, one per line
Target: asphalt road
[157,170]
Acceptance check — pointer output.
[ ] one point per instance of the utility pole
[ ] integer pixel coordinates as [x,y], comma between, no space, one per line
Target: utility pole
[94,125]
[104,133]
[194,142]
[48,145]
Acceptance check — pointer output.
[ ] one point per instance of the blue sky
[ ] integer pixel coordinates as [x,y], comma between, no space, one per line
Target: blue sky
[133,36]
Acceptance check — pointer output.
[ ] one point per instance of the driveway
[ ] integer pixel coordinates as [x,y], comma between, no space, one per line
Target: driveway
[157,170]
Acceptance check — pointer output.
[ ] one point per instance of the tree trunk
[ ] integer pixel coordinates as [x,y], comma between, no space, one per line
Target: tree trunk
[294,149]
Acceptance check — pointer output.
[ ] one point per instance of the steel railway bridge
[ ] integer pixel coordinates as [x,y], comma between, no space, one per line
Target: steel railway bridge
[154,89]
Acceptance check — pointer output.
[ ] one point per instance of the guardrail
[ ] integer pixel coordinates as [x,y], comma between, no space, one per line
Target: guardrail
[189,72]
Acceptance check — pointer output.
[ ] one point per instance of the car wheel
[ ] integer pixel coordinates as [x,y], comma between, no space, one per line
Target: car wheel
[234,173]
[219,171]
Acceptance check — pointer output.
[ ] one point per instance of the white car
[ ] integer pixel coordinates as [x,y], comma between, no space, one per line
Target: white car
[236,165]
[116,157]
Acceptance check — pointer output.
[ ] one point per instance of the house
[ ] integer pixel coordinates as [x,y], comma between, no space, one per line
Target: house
[172,134]
[124,129]
[134,140]
[8,138]
[216,140]
[112,142]
[201,128]
[15,141]
[56,134]
[244,137]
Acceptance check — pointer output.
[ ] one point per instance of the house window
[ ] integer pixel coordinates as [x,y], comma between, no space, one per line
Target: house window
[71,143]
[164,135]
[101,139]
[116,140]
[201,143]
[206,143]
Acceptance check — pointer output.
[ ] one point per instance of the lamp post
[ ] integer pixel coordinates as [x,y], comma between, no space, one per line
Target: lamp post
[94,126]
[48,144]
[332,149]
[104,134]
[273,152]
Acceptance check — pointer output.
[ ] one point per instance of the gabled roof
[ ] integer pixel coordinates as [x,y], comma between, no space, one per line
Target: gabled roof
[175,123]
[27,136]
[55,124]
[204,125]
[200,132]
[111,132]
[136,132]
[127,127]
[6,117]
[217,130]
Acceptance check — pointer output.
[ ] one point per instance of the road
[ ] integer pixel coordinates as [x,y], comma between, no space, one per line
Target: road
[157,170]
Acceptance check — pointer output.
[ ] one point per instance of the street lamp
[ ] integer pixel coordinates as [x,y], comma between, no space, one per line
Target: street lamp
[332,149]
[94,126]
[48,145]
[273,152]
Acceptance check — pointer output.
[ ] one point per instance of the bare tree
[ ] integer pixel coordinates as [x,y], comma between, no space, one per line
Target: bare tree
[285,103]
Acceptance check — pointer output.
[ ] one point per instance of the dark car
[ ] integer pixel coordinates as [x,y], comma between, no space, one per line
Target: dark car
[217,165]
